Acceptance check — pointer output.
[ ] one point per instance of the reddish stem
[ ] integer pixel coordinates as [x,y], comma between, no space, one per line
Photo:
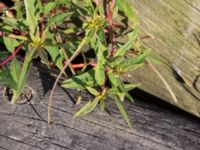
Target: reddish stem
[11,56]
[110,8]
[14,31]
[97,2]
[145,37]
[78,66]
[17,32]
[41,24]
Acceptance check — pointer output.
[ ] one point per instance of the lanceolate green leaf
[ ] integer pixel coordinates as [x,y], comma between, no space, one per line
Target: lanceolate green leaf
[123,90]
[128,87]
[123,111]
[32,18]
[116,82]
[141,57]
[17,7]
[54,51]
[113,79]
[92,91]
[126,7]
[10,21]
[134,61]
[58,18]
[15,70]
[101,60]
[127,46]
[48,7]
[100,73]
[24,73]
[84,109]
[10,44]
[80,81]
[88,107]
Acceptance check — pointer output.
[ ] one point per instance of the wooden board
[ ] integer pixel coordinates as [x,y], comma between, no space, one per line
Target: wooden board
[24,127]
[175,28]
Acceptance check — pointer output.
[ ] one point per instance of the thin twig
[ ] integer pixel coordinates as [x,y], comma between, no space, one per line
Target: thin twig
[59,39]
[164,81]
[77,52]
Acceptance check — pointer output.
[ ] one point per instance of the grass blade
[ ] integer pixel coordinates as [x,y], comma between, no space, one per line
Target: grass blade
[122,111]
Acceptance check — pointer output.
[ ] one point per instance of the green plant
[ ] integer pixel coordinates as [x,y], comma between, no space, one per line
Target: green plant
[29,32]
[64,30]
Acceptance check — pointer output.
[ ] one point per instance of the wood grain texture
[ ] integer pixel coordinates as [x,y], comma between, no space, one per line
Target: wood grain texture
[24,127]
[175,27]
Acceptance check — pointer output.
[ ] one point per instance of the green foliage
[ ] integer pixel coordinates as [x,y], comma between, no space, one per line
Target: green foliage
[127,9]
[123,111]
[63,30]
[32,17]
[7,79]
[10,43]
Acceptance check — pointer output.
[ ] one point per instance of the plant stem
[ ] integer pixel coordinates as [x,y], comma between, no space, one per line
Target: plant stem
[24,74]
[58,38]
[41,25]
[11,56]
[77,52]
[110,8]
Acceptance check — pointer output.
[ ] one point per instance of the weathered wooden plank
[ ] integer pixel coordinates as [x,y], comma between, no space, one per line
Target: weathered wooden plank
[154,128]
[175,26]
